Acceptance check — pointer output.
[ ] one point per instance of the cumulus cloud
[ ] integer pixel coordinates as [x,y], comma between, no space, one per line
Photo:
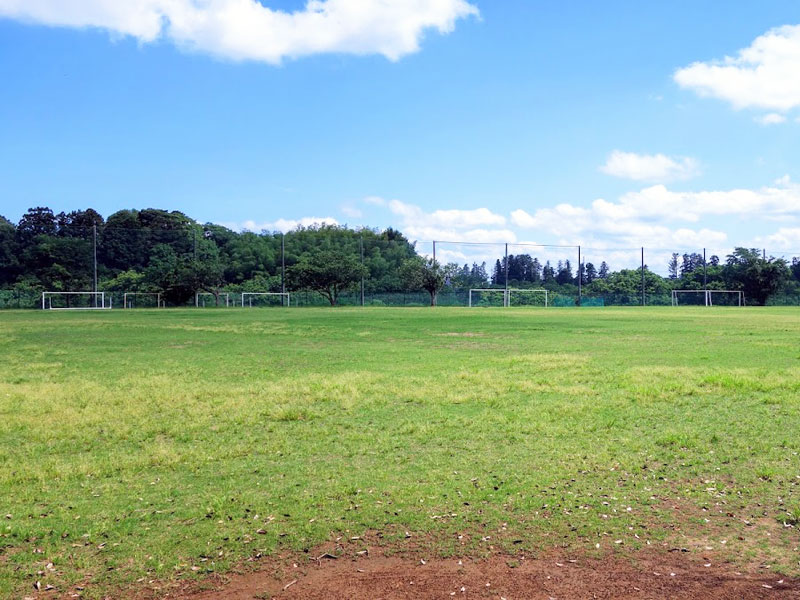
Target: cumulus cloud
[644,217]
[248,30]
[770,119]
[649,167]
[763,75]
[785,239]
[283,225]
[351,211]
[476,225]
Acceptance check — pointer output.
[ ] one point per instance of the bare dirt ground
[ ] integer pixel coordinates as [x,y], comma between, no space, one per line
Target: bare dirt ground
[651,574]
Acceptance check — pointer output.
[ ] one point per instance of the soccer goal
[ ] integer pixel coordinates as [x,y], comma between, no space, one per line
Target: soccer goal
[142,300]
[251,299]
[75,301]
[707,298]
[725,298]
[488,297]
[526,297]
[201,298]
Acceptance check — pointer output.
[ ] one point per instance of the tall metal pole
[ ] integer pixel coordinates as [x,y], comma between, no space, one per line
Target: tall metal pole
[580,275]
[705,276]
[283,264]
[94,251]
[434,264]
[643,298]
[505,293]
[361,247]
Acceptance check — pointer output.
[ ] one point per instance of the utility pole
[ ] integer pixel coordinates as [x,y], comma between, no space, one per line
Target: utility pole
[705,276]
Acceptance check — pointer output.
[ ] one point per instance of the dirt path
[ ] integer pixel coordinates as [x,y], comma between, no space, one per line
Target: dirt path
[657,576]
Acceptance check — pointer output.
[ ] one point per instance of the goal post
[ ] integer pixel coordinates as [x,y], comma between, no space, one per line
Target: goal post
[129,299]
[491,296]
[75,301]
[707,298]
[725,298]
[250,299]
[200,299]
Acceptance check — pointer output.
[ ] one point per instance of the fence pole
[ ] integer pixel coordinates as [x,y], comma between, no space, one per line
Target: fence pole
[643,298]
[361,248]
[434,264]
[505,293]
[283,264]
[705,276]
[580,275]
[94,252]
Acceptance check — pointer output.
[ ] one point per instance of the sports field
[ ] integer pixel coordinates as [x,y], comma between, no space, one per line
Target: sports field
[144,448]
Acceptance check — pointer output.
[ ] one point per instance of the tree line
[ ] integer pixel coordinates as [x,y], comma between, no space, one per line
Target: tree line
[155,250]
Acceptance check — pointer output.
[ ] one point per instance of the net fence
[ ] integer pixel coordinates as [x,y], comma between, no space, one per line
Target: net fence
[172,262]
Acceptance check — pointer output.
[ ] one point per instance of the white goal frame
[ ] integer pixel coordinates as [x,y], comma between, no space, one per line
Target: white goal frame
[526,290]
[708,299]
[198,295]
[159,304]
[47,302]
[282,294]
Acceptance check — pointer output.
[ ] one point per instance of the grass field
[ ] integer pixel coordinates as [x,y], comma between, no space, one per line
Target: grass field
[142,446]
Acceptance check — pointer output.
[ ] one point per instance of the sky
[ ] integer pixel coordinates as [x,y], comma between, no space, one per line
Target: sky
[613,125]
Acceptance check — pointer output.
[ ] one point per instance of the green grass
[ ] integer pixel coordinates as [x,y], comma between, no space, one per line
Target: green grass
[168,444]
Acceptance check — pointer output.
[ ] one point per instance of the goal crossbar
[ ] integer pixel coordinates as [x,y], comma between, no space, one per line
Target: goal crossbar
[708,296]
[507,292]
[250,296]
[96,297]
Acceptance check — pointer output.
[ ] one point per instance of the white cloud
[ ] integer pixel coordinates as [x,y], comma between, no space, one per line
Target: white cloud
[770,119]
[283,225]
[643,217]
[763,75]
[452,218]
[649,167]
[785,239]
[248,30]
[375,201]
[476,225]
[351,211]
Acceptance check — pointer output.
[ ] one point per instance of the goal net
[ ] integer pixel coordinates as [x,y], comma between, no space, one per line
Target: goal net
[707,298]
[256,299]
[526,297]
[75,301]
[142,300]
[204,299]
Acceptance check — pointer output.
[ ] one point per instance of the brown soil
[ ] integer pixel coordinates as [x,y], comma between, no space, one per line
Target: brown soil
[378,576]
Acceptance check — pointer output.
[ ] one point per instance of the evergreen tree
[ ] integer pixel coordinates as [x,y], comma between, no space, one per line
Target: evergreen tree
[673,266]
[590,272]
[498,277]
[604,270]
[564,273]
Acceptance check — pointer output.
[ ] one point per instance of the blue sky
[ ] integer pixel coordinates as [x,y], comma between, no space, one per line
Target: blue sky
[611,124]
